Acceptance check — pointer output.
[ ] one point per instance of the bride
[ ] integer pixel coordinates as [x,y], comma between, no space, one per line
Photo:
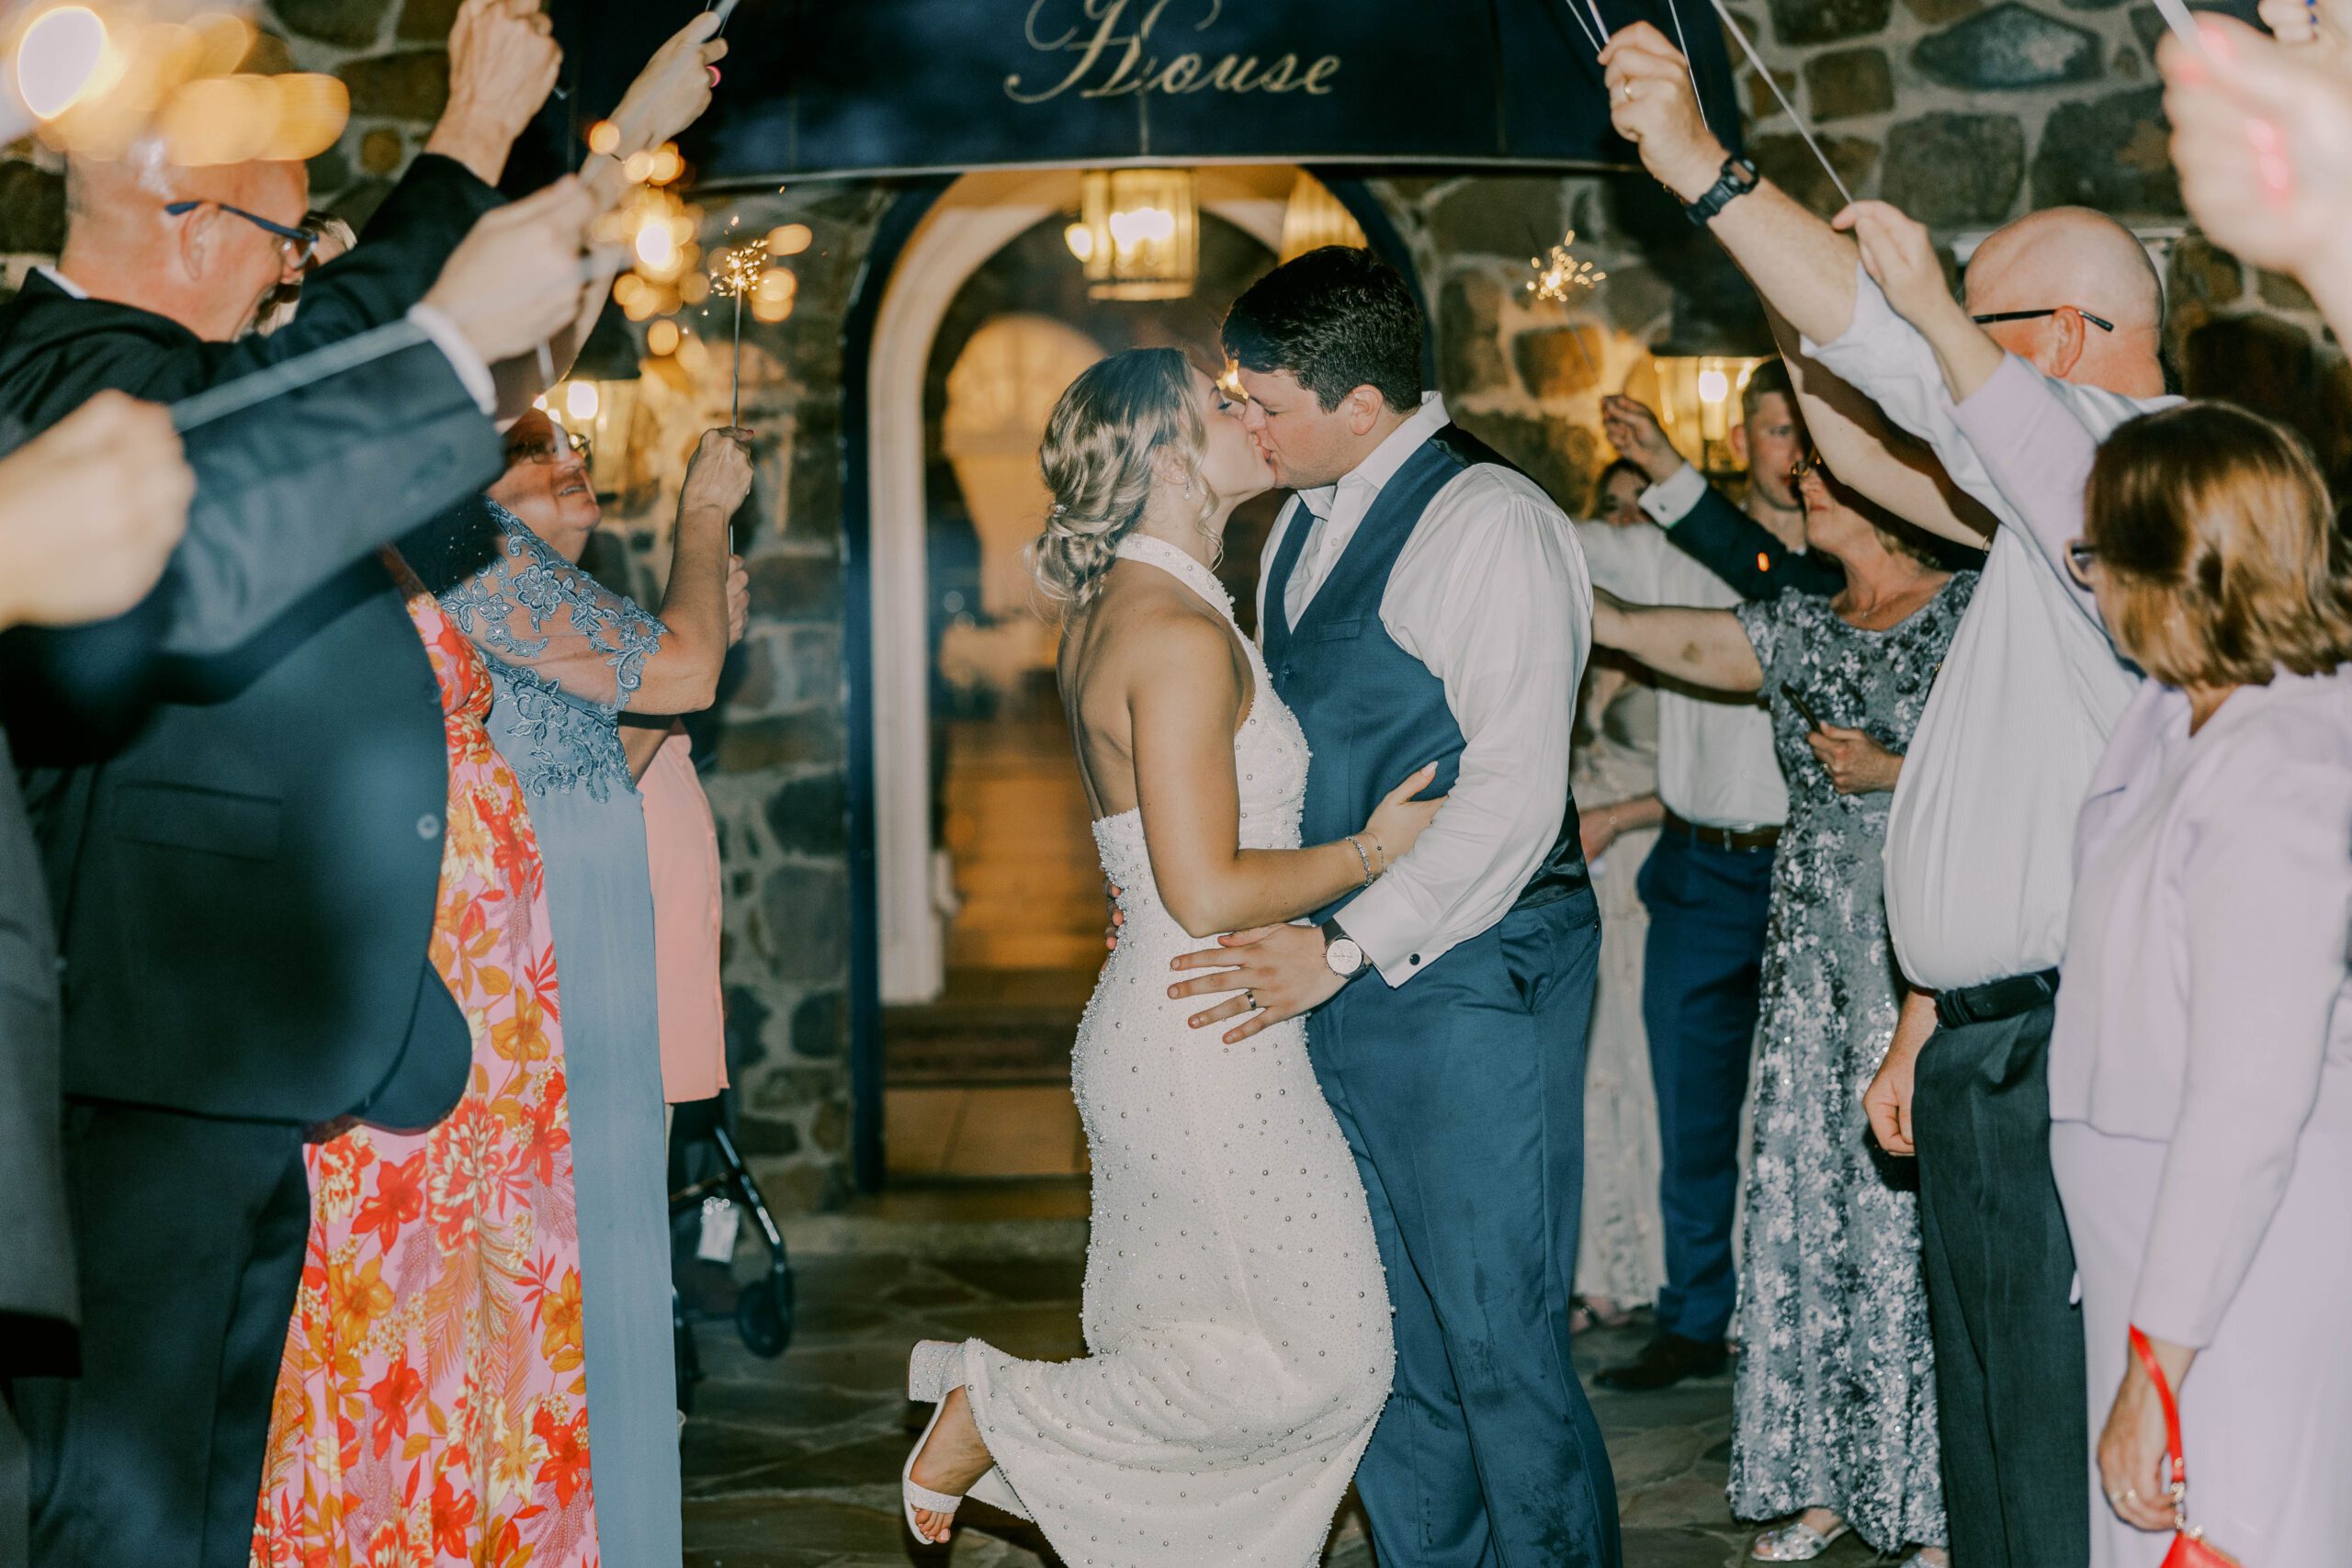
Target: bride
[1235,1308]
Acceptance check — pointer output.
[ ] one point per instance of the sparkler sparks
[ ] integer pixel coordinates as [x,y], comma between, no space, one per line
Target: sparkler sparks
[737,275]
[1560,273]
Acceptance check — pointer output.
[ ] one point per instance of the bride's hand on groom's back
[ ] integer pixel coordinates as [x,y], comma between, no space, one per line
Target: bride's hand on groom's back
[1398,819]
[1273,972]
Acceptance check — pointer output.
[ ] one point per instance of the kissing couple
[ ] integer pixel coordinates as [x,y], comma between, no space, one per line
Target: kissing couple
[1337,1170]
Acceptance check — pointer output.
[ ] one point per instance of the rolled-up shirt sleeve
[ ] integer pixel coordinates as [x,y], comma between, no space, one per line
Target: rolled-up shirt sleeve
[2267,888]
[1493,597]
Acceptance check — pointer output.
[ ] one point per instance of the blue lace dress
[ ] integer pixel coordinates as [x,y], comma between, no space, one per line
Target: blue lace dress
[564,655]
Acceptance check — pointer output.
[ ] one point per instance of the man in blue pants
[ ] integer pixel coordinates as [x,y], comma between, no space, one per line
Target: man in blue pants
[1708,883]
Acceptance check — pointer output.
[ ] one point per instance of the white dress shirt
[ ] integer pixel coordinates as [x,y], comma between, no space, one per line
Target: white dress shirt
[2206,1004]
[1715,763]
[1979,861]
[1491,593]
[454,346]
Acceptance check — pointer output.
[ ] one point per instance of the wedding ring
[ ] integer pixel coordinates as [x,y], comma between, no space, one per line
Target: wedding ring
[1625,92]
[1252,997]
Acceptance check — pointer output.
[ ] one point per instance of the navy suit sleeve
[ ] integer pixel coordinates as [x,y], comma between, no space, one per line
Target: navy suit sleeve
[1748,556]
[288,494]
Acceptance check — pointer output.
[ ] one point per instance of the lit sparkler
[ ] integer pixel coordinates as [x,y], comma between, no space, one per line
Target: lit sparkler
[1560,273]
[737,275]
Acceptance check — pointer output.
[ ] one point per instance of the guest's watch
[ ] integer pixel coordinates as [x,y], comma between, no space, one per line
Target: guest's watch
[1341,952]
[1736,178]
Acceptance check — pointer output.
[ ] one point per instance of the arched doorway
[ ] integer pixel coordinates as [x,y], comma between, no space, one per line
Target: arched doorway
[927,249]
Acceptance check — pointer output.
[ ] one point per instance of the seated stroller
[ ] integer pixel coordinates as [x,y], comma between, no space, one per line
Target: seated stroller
[710,1188]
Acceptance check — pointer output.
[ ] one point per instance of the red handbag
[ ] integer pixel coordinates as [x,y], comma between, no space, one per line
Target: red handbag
[2189,1547]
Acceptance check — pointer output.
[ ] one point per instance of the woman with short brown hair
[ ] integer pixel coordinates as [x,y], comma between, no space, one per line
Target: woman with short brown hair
[2201,1073]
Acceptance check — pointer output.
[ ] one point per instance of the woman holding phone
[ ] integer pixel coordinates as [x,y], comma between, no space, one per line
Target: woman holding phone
[1835,1411]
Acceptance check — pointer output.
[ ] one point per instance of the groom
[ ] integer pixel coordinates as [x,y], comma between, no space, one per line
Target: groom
[1421,600]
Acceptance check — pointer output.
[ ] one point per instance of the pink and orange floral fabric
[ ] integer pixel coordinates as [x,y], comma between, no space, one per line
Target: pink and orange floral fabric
[431,1407]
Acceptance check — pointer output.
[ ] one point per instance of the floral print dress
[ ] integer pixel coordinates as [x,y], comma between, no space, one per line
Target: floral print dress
[1835,1405]
[432,1402]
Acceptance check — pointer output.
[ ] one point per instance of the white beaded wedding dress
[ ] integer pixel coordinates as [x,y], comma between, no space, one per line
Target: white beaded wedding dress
[1235,1314]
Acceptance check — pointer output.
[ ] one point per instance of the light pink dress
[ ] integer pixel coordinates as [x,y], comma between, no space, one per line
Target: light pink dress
[681,848]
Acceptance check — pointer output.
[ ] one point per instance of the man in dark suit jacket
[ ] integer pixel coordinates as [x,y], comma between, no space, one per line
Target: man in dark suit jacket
[89,515]
[238,791]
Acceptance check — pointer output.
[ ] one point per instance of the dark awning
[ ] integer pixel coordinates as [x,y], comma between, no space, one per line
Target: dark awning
[873,86]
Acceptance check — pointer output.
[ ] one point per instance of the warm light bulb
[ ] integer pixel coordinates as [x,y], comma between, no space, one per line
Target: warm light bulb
[603,137]
[580,400]
[790,239]
[59,59]
[1713,387]
[662,337]
[657,248]
[1081,241]
[1144,225]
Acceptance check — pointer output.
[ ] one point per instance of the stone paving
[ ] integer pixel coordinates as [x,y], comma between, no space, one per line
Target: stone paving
[793,1463]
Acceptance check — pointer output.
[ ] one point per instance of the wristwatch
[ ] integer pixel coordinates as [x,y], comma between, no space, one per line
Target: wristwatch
[1342,953]
[1737,178]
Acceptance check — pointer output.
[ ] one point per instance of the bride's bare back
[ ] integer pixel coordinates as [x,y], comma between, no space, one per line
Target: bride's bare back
[1147,655]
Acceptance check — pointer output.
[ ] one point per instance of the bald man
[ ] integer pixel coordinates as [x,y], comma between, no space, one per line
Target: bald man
[1979,846]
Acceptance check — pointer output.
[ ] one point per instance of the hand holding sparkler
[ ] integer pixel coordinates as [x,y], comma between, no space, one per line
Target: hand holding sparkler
[2263,139]
[1634,431]
[503,62]
[670,94]
[1652,106]
[2321,28]
[513,282]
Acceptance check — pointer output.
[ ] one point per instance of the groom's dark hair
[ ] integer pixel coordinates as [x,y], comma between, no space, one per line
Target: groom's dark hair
[1336,319]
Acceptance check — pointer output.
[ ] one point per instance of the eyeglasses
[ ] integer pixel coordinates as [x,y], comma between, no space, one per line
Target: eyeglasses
[2081,556]
[2101,323]
[546,451]
[295,244]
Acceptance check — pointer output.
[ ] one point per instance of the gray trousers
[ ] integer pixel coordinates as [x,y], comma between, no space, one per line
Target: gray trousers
[2000,1274]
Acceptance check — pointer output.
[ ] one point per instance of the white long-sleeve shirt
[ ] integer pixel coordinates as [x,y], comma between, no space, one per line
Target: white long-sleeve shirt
[1490,592]
[1979,844]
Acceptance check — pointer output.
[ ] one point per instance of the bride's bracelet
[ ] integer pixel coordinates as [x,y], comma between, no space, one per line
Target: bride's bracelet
[1369,876]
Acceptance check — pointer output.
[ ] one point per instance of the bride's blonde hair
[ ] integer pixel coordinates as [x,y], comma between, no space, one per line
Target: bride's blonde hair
[1102,444]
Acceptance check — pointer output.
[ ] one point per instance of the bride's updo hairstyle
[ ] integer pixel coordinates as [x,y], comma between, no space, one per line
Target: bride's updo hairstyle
[1100,447]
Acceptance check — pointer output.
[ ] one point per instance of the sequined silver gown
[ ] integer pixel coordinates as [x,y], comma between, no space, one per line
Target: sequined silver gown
[1235,1314]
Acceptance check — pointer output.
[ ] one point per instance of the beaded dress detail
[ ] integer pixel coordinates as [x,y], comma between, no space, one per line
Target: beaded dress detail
[1237,1319]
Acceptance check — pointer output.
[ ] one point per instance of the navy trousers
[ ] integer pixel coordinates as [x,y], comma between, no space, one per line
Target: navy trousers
[1462,1095]
[1703,963]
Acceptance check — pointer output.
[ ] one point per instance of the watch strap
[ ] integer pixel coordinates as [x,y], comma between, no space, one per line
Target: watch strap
[1736,178]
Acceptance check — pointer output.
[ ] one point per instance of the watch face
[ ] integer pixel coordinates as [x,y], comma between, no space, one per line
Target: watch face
[1344,956]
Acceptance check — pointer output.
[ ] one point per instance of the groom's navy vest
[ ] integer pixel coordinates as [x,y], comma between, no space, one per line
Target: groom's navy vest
[1374,713]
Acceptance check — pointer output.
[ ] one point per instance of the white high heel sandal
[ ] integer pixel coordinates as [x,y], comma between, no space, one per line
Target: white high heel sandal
[934,1371]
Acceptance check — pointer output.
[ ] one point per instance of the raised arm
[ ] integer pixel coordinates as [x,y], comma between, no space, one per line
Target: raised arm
[1701,647]
[1702,523]
[684,677]
[1183,705]
[1870,456]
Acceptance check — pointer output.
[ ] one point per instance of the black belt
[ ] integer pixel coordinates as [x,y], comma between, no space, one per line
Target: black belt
[1995,998]
[1720,838]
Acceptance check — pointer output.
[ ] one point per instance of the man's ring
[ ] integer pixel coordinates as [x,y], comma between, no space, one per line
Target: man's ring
[1624,92]
[1252,997]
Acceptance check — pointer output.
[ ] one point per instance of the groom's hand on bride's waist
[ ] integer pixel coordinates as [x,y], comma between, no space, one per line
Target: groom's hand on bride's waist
[1271,973]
